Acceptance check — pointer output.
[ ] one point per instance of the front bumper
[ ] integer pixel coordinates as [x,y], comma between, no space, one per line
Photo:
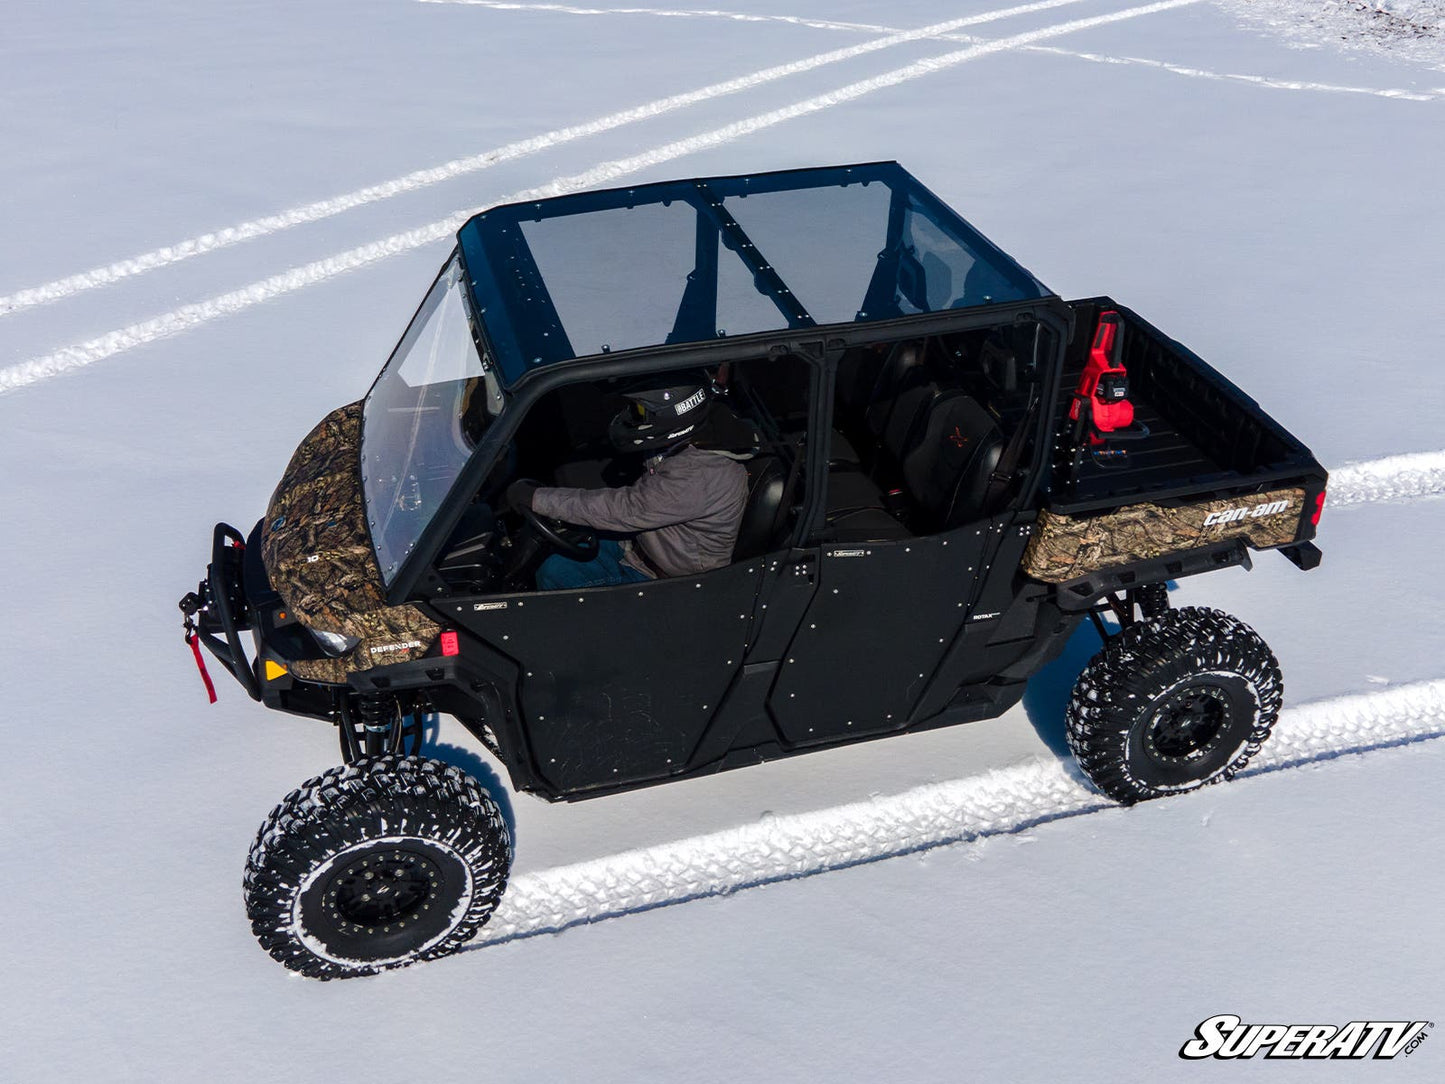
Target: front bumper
[217,609]
[235,597]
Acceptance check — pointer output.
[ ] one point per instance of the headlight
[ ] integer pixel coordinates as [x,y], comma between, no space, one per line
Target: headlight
[333,643]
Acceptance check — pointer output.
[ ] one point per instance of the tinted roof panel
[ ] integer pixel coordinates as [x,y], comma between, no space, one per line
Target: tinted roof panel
[690,261]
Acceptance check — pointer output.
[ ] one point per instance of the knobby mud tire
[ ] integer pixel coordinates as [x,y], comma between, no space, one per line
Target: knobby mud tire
[425,830]
[1201,666]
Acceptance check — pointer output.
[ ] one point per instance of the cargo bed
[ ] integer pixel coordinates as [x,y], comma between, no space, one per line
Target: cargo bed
[1206,437]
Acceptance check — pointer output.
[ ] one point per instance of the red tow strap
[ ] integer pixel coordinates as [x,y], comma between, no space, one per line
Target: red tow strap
[195,642]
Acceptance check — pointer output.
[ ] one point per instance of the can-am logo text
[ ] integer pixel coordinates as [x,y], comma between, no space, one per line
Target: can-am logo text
[1229,515]
[1228,1037]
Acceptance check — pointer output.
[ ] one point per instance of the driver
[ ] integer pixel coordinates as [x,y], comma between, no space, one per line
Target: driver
[684,511]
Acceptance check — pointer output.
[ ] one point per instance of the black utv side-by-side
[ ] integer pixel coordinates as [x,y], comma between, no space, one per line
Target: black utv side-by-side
[948,469]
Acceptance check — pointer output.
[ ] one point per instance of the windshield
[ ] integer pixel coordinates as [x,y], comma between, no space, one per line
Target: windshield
[424,415]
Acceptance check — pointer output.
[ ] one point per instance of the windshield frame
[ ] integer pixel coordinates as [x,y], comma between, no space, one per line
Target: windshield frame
[457,444]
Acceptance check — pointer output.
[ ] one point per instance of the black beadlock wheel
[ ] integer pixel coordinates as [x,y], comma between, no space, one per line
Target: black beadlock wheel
[376,865]
[1173,702]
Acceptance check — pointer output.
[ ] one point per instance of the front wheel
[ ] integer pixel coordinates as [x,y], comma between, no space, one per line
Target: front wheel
[376,865]
[1174,702]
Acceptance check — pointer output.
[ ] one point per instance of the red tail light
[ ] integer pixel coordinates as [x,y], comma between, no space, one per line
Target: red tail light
[450,645]
[1319,507]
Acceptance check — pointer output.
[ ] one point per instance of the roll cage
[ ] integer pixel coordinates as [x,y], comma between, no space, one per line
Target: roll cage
[933,274]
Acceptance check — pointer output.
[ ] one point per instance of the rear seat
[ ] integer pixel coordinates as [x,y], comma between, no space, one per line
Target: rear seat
[902,371]
[948,469]
[856,510]
[906,419]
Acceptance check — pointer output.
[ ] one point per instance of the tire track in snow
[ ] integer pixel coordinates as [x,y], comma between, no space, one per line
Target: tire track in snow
[670,13]
[998,802]
[1230,77]
[874,28]
[422,178]
[1391,478]
[191,316]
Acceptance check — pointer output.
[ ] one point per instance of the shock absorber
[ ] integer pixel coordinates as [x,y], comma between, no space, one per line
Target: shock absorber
[1152,599]
[379,716]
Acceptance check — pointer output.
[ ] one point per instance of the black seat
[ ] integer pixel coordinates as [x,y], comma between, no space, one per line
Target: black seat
[948,469]
[764,515]
[903,370]
[857,509]
[906,420]
[858,373]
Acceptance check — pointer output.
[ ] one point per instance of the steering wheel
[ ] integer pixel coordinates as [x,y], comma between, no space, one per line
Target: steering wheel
[570,540]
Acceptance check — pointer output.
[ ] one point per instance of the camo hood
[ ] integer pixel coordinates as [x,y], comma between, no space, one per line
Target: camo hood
[319,557]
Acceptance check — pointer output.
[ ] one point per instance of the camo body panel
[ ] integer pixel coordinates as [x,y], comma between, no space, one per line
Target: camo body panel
[319,557]
[1064,548]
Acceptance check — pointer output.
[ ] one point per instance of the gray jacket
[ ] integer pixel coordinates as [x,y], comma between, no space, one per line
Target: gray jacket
[686,509]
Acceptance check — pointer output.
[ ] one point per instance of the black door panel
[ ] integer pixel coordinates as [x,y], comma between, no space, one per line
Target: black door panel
[881,619]
[619,683]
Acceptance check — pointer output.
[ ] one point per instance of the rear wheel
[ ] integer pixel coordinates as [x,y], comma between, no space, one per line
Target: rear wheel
[1173,702]
[376,865]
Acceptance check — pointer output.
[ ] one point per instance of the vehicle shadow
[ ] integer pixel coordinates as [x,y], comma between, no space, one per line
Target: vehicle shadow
[474,765]
[1048,691]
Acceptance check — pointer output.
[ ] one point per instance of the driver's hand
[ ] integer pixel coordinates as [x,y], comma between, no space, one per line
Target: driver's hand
[519,495]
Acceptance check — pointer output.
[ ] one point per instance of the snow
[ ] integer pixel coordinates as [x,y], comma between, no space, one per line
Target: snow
[218,220]
[1389,478]
[992,803]
[1414,29]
